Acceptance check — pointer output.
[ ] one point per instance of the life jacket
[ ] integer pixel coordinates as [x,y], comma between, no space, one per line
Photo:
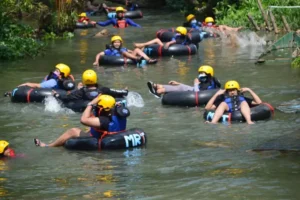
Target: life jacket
[82,19]
[181,39]
[113,51]
[118,121]
[208,85]
[90,94]
[121,23]
[63,83]
[234,103]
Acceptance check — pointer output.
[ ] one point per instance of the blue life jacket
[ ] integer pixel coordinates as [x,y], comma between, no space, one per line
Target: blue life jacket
[114,52]
[234,103]
[117,123]
[181,39]
[132,7]
[209,85]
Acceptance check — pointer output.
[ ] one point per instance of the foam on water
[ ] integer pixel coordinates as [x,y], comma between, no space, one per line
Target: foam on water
[53,106]
[135,99]
[245,39]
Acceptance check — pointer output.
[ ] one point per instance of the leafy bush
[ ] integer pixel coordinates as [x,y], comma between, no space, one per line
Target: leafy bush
[296,63]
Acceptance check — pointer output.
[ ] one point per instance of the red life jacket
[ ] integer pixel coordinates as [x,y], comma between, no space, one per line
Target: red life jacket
[82,19]
[121,24]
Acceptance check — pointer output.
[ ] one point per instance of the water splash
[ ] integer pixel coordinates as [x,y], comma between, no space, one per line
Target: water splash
[244,39]
[52,105]
[135,99]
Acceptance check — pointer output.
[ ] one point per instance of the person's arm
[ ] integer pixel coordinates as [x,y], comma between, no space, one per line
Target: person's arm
[170,43]
[132,23]
[210,104]
[106,23]
[98,57]
[75,95]
[256,99]
[113,92]
[34,85]
[87,119]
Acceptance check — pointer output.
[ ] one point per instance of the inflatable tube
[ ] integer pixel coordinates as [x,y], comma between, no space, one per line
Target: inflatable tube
[261,112]
[165,35]
[136,14]
[80,105]
[131,138]
[187,98]
[175,49]
[194,34]
[25,94]
[80,25]
[115,60]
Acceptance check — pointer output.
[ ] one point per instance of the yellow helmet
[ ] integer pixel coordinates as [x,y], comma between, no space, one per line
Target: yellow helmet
[82,14]
[106,102]
[206,69]
[209,20]
[232,85]
[3,145]
[89,77]
[181,30]
[190,17]
[120,9]
[65,69]
[114,38]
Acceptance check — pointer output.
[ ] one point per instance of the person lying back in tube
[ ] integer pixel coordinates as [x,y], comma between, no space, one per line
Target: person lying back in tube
[60,78]
[82,18]
[102,115]
[89,89]
[116,49]
[205,81]
[209,26]
[232,99]
[130,6]
[192,22]
[120,21]
[5,150]
[179,38]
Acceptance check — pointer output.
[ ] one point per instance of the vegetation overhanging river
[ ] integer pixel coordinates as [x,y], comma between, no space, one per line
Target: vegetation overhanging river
[184,158]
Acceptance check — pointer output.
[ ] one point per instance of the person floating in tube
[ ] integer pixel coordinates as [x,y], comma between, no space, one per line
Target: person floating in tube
[209,26]
[5,150]
[179,38]
[119,21]
[56,79]
[232,99]
[130,6]
[192,22]
[85,20]
[116,49]
[102,115]
[89,88]
[205,81]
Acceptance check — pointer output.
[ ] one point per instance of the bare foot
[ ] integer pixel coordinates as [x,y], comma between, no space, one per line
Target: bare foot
[251,122]
[38,143]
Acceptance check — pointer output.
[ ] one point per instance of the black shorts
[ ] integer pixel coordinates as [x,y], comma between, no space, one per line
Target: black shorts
[84,134]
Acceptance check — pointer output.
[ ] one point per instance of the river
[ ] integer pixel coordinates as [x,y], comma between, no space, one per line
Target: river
[184,157]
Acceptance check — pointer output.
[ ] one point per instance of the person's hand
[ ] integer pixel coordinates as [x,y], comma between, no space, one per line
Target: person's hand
[95,100]
[221,91]
[174,83]
[196,81]
[96,63]
[245,90]
[80,85]
[166,46]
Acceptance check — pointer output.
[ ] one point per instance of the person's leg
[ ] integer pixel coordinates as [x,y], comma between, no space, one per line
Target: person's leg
[154,41]
[219,112]
[245,110]
[71,133]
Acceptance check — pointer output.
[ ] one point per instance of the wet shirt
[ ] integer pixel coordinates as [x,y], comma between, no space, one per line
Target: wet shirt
[51,83]
[184,40]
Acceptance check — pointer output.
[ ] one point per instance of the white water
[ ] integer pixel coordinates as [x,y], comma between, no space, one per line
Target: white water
[135,99]
[244,39]
[53,106]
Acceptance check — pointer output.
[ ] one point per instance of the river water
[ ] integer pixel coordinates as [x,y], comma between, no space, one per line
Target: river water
[184,158]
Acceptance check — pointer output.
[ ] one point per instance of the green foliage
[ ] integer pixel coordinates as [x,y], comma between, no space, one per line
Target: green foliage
[17,40]
[296,63]
[236,15]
